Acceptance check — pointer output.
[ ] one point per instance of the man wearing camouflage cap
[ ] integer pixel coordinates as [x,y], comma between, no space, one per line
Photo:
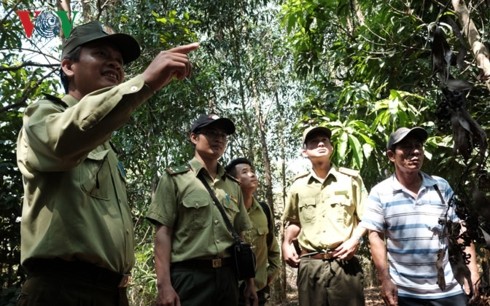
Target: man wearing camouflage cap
[77,242]
[323,210]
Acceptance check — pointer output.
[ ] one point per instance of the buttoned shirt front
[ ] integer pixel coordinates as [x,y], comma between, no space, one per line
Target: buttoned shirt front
[182,202]
[266,248]
[327,211]
[75,204]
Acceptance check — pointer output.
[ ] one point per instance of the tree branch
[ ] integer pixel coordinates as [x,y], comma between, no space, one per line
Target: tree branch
[471,32]
[27,64]
[26,93]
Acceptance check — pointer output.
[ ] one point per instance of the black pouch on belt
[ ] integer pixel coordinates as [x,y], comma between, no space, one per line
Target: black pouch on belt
[243,260]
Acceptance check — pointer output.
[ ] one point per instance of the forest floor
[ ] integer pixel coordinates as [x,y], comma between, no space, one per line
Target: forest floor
[372,298]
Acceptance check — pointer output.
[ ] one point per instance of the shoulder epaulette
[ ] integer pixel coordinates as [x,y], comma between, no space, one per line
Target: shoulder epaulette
[232,178]
[174,170]
[300,175]
[348,171]
[55,100]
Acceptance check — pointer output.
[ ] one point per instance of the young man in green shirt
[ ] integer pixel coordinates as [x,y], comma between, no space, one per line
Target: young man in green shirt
[261,235]
[192,241]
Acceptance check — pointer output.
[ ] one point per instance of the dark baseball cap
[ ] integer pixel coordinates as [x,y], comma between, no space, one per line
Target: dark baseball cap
[316,129]
[213,120]
[400,134]
[95,31]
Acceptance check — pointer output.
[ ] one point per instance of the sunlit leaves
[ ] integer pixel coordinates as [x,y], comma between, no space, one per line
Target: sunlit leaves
[352,141]
[399,109]
[175,25]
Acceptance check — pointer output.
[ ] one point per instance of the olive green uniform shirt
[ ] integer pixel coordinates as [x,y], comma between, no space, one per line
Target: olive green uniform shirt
[328,211]
[182,202]
[265,246]
[75,205]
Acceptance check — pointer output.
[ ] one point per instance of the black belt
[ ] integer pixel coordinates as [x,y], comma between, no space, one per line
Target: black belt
[214,263]
[77,270]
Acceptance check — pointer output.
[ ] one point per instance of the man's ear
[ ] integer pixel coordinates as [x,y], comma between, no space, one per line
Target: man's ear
[193,137]
[391,155]
[67,67]
[303,152]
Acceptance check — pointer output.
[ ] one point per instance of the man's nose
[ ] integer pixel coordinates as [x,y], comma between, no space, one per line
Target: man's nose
[115,64]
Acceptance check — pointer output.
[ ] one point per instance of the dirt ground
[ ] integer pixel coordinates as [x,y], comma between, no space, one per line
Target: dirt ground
[372,297]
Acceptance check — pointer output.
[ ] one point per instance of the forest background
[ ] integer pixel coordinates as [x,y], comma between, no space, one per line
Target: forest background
[361,67]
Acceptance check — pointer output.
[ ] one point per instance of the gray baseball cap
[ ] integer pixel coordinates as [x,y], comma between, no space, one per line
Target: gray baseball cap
[403,132]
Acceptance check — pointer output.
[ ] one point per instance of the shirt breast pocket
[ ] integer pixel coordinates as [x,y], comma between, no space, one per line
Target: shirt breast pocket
[257,234]
[307,210]
[95,175]
[196,214]
[340,207]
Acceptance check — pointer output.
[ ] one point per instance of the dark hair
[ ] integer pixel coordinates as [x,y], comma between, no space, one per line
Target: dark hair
[74,55]
[230,168]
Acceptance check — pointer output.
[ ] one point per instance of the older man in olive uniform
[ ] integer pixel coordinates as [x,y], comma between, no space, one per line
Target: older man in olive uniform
[323,211]
[192,241]
[261,235]
[77,242]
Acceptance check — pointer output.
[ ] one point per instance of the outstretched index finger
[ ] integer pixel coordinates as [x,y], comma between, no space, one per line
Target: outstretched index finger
[185,48]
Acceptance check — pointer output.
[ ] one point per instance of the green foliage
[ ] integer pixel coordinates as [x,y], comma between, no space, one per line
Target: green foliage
[10,209]
[361,67]
[22,82]
[370,61]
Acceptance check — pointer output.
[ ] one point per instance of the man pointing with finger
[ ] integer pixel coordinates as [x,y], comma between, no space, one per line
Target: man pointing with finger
[77,242]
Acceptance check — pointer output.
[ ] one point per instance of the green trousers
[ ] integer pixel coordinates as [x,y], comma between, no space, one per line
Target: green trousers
[59,290]
[330,282]
[205,286]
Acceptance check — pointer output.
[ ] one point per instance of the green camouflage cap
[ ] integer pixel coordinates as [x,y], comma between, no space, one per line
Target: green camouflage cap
[95,31]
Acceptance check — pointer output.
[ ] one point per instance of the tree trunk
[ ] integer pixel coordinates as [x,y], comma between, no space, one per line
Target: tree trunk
[471,32]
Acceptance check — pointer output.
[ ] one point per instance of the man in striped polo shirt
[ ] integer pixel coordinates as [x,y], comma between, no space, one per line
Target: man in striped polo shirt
[410,210]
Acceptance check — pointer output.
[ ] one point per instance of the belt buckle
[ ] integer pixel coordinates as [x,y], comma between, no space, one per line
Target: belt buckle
[125,280]
[216,262]
[326,256]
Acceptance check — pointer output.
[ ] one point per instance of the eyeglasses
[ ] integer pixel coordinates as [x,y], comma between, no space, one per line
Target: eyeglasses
[215,134]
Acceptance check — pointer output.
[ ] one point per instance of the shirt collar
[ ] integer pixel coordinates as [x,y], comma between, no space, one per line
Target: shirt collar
[427,181]
[196,166]
[334,172]
[70,100]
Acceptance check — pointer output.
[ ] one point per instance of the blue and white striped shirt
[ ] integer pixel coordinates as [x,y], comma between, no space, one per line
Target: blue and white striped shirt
[411,228]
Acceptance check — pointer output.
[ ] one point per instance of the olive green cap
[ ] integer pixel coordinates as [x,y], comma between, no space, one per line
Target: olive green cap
[95,31]
[316,129]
